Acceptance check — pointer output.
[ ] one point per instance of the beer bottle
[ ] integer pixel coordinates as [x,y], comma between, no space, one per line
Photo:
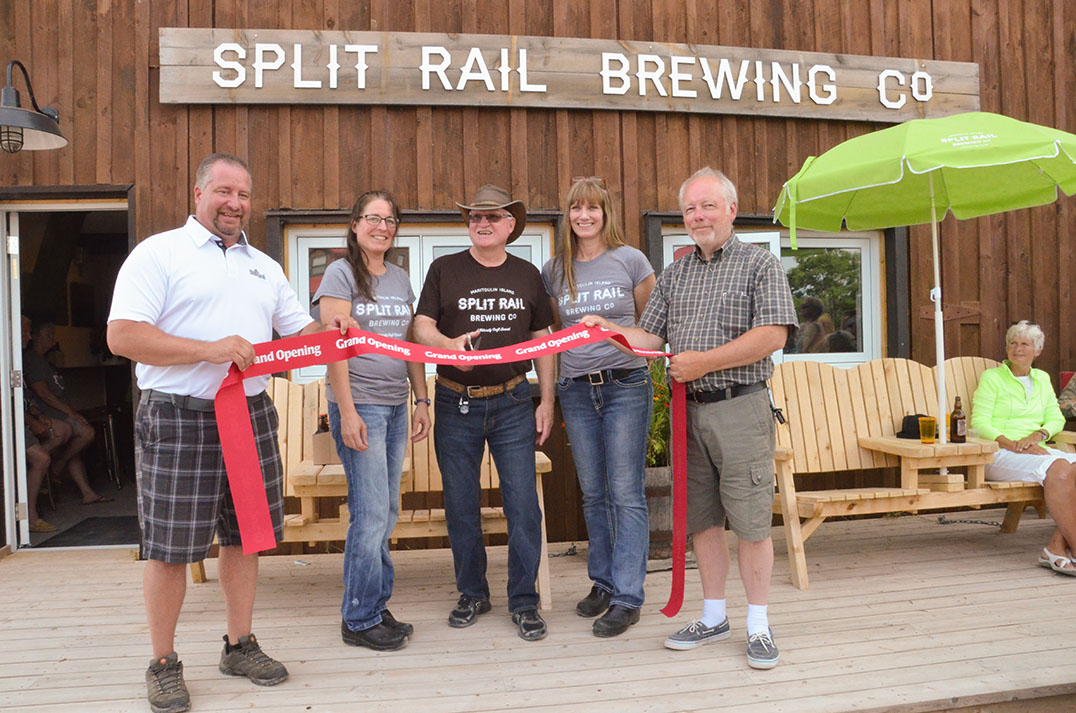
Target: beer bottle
[958,424]
[323,423]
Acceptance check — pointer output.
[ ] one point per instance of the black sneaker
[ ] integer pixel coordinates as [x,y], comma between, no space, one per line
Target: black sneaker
[247,659]
[531,625]
[594,603]
[165,688]
[615,621]
[467,610]
[379,637]
[390,620]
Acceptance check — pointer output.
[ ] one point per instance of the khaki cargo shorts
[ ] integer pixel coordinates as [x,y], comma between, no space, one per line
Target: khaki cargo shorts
[730,465]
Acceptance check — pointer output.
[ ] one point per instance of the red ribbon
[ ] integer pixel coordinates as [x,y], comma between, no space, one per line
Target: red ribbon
[237,435]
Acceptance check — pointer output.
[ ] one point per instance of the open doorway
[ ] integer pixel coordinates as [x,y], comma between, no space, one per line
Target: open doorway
[69,255]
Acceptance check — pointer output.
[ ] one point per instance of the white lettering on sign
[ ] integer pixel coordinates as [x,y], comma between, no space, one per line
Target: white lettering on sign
[924,92]
[297,68]
[921,87]
[724,76]
[812,84]
[654,75]
[676,76]
[620,73]
[473,69]
[239,69]
[260,65]
[360,62]
[221,66]
[792,85]
[783,80]
[883,96]
[428,67]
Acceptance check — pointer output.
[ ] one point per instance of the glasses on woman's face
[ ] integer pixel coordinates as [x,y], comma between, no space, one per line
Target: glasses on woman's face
[599,179]
[493,218]
[376,220]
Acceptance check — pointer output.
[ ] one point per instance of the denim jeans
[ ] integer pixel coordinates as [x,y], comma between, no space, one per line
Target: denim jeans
[506,422]
[373,496]
[607,427]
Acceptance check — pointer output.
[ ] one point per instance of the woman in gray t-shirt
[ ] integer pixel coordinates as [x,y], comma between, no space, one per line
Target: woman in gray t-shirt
[368,403]
[606,399]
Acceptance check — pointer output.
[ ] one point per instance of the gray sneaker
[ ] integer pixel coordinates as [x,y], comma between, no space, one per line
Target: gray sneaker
[696,634]
[165,688]
[248,659]
[761,651]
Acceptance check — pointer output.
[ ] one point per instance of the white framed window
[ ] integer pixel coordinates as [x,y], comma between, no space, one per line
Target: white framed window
[843,271]
[311,248]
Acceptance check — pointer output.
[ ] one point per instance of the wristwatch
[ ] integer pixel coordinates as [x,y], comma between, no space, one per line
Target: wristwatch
[422,401]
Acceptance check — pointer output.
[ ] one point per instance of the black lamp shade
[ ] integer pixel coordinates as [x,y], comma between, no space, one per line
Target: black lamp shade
[39,131]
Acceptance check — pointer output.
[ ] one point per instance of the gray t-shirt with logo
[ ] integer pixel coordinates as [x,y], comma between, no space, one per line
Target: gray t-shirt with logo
[375,379]
[605,286]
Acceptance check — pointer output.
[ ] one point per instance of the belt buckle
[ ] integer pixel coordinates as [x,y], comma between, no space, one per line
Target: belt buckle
[600,376]
[468,394]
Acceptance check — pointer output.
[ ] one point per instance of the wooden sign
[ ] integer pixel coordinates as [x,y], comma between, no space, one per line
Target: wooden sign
[219,66]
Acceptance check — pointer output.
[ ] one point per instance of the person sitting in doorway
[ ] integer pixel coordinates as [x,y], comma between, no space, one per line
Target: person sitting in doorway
[38,431]
[46,388]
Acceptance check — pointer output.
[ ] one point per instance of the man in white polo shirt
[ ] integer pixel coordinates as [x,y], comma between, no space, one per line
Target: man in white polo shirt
[187,304]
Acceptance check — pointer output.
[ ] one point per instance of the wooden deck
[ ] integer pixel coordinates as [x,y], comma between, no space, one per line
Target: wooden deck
[903,614]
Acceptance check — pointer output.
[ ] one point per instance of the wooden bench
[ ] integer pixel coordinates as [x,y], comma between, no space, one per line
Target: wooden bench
[317,488]
[841,420]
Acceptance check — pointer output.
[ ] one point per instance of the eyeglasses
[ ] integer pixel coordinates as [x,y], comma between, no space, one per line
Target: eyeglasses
[599,179]
[376,220]
[493,218]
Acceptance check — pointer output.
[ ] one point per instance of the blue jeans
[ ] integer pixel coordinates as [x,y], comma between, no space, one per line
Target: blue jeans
[506,422]
[607,427]
[373,496]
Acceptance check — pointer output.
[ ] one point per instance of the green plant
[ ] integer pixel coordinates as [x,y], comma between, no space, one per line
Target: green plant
[657,440]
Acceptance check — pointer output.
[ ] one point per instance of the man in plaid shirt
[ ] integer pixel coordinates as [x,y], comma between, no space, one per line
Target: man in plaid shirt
[723,309]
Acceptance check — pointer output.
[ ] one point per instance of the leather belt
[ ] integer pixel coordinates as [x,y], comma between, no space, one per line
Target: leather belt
[597,378]
[709,397]
[480,392]
[190,403]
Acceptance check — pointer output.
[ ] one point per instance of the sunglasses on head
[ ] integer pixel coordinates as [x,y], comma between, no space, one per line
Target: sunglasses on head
[599,179]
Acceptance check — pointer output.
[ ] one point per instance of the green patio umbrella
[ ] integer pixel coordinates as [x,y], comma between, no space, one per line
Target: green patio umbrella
[972,164]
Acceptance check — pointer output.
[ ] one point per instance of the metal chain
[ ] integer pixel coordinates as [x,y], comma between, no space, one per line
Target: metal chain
[943,520]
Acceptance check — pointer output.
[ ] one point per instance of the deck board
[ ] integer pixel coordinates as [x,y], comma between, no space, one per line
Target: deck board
[904,614]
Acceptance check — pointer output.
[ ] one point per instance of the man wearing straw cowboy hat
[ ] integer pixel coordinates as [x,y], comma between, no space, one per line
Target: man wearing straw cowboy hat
[484,298]
[723,308]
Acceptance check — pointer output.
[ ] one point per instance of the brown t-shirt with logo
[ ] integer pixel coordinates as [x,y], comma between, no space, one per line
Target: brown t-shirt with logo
[507,303]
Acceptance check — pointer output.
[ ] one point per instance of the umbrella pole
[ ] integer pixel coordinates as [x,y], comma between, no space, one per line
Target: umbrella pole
[939,330]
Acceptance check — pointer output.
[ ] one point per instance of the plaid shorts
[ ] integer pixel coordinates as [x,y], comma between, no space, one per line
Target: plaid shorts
[183,493]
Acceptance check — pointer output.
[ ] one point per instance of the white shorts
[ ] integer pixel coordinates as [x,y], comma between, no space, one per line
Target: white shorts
[1027,467]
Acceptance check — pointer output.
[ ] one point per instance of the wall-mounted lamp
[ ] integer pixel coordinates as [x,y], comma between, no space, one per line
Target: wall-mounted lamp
[20,128]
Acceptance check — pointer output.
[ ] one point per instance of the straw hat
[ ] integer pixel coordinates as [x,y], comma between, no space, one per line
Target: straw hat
[490,197]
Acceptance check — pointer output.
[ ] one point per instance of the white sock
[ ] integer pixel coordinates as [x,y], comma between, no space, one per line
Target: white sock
[757,620]
[713,612]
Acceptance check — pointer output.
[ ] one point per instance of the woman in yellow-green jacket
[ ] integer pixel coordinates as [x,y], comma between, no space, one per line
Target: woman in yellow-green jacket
[1016,406]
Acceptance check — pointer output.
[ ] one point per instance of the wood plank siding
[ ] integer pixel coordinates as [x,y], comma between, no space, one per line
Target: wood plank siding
[98,62]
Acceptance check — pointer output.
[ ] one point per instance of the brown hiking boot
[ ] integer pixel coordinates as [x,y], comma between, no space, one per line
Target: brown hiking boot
[165,688]
[247,659]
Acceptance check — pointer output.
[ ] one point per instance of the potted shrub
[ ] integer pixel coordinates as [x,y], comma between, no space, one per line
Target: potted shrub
[658,469]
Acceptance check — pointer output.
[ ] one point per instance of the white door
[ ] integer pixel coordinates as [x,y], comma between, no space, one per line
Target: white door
[11,391]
